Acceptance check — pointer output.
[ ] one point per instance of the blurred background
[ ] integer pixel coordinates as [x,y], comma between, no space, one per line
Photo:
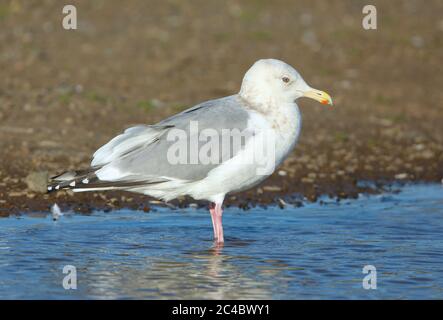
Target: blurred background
[63,93]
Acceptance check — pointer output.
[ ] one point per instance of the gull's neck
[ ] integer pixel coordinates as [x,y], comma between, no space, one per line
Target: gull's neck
[284,115]
[284,118]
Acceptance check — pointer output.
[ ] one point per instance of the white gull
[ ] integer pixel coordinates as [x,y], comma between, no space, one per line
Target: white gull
[142,159]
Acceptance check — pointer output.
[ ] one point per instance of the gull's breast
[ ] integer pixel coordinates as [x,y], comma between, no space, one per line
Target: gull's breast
[264,152]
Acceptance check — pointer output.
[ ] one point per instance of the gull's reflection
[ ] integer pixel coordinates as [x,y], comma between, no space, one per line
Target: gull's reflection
[211,273]
[217,248]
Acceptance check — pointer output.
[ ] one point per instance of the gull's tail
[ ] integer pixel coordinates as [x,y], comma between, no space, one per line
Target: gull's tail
[125,144]
[73,179]
[87,180]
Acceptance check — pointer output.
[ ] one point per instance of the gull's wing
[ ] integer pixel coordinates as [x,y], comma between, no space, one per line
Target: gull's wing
[139,156]
[132,139]
[151,160]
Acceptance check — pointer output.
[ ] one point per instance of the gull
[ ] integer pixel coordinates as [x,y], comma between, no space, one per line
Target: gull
[183,156]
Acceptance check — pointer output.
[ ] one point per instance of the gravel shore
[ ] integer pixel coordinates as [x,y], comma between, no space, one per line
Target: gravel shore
[65,93]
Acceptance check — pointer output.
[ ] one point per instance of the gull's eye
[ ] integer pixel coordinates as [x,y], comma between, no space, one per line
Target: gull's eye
[285,79]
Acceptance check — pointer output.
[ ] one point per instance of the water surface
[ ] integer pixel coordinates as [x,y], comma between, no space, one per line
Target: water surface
[315,251]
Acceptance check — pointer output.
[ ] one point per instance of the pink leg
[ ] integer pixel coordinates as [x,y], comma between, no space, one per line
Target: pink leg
[218,223]
[216,216]
[213,218]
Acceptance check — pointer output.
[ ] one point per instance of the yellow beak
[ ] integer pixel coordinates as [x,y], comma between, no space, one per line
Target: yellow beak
[318,95]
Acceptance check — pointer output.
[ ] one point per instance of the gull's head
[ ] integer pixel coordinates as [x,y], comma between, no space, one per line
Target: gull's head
[271,80]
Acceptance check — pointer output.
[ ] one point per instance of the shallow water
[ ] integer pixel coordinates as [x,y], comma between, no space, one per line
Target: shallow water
[315,251]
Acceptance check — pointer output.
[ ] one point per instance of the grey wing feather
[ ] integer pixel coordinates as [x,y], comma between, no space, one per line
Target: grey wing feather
[150,159]
[130,140]
[138,156]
